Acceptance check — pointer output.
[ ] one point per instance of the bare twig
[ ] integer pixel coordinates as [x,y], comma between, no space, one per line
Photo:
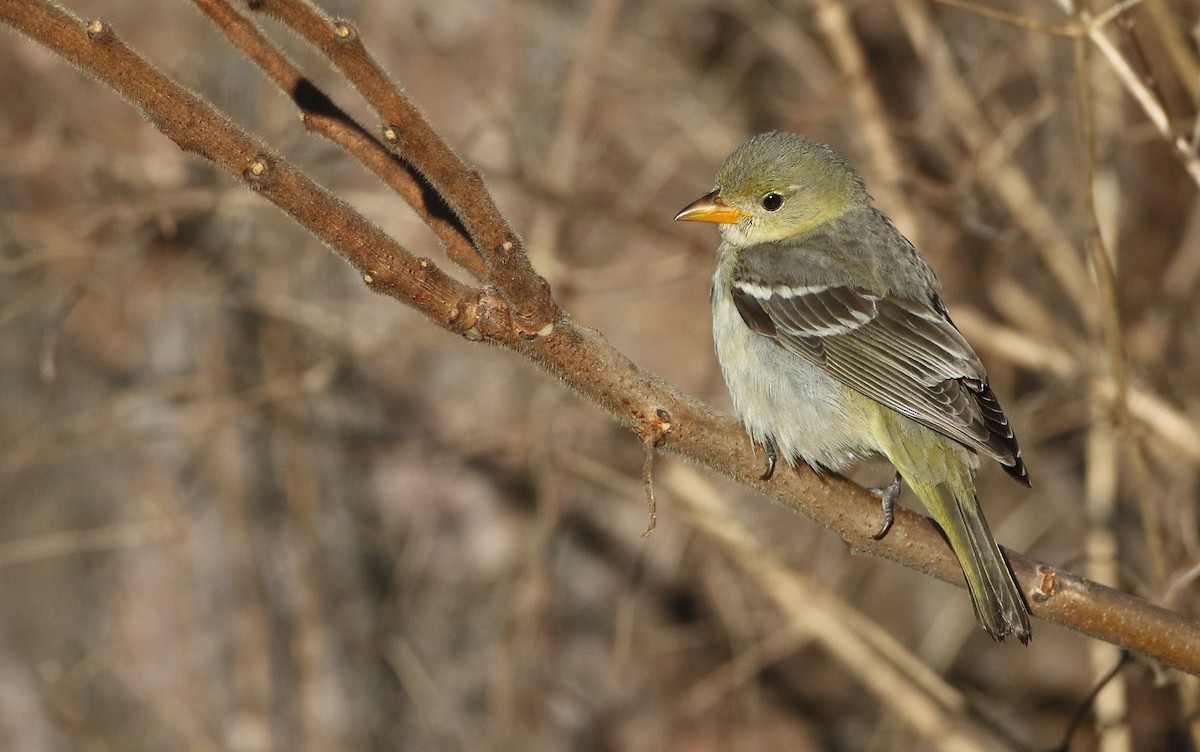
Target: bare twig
[1133,83]
[1108,415]
[833,21]
[557,172]
[1182,56]
[1010,184]
[123,535]
[915,693]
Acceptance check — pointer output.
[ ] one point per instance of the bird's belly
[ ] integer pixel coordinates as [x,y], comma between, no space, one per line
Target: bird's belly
[781,397]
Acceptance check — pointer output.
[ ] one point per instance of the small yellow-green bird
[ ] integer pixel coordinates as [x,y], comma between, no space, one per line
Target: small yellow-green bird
[836,347]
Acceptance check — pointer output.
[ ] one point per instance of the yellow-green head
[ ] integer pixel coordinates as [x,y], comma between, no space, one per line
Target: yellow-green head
[778,185]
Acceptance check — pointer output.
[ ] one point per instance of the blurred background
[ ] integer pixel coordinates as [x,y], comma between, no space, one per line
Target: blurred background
[247,504]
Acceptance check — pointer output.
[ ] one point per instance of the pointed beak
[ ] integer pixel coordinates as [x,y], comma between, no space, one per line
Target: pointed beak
[711,208]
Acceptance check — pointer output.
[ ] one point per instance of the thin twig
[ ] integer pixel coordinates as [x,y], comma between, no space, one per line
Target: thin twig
[1082,711]
[1109,321]
[1150,105]
[1179,50]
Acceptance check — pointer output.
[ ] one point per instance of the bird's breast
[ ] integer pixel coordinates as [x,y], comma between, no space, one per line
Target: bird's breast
[779,396]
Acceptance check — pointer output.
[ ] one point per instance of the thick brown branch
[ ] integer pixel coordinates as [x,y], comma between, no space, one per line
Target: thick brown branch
[411,136]
[581,357]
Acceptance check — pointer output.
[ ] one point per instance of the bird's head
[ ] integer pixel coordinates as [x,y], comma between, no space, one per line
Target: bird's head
[776,186]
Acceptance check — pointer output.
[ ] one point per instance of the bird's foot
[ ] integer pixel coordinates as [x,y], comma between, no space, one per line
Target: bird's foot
[888,495]
[768,446]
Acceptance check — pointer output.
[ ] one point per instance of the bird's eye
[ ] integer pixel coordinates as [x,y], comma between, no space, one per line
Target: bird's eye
[772,201]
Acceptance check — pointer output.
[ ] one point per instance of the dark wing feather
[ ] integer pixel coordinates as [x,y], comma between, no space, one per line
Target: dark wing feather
[904,354]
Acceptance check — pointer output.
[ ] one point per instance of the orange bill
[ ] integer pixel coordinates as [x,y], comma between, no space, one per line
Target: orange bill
[711,208]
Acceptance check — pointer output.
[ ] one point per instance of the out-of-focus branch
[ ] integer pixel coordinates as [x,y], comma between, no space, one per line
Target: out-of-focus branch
[995,165]
[833,20]
[580,357]
[1154,415]
[558,170]
[1142,94]
[1084,24]
[917,694]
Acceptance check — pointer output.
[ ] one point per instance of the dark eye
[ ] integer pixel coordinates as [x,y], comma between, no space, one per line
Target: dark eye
[772,201]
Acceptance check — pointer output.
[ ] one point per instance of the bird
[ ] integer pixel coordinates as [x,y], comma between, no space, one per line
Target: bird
[836,347]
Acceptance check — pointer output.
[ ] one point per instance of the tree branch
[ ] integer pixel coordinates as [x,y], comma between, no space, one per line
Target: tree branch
[410,136]
[580,357]
[323,117]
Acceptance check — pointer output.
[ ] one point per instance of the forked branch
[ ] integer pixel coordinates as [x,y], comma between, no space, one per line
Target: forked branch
[513,308]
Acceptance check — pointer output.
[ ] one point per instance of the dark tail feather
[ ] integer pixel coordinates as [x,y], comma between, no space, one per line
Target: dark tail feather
[999,604]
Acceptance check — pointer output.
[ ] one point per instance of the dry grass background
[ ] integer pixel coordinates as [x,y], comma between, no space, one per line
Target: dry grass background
[249,505]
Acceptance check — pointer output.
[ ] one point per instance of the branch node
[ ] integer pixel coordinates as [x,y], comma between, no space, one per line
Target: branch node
[1047,586]
[344,31]
[98,31]
[256,171]
[465,319]
[664,424]
[529,336]
[656,428]
[505,248]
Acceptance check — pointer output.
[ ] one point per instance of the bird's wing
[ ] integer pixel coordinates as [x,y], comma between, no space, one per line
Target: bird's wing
[904,354]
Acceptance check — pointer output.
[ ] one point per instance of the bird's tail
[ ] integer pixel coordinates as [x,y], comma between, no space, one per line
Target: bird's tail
[998,602]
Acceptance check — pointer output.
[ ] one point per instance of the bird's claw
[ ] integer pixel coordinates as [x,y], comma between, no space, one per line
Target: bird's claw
[768,446]
[888,495]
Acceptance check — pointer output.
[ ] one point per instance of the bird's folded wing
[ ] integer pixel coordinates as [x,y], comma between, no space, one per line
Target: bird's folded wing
[902,353]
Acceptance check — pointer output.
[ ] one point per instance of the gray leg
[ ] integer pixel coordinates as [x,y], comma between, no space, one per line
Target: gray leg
[888,495]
